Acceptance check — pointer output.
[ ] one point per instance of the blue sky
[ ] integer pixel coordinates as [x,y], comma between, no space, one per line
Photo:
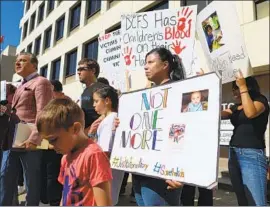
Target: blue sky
[11,13]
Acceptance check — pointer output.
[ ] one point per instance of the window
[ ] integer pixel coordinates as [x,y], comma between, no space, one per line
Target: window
[60,28]
[43,71]
[91,49]
[41,13]
[37,45]
[93,6]
[50,6]
[48,34]
[29,48]
[114,28]
[56,69]
[25,27]
[71,63]
[159,6]
[201,4]
[32,23]
[75,17]
[261,8]
[27,4]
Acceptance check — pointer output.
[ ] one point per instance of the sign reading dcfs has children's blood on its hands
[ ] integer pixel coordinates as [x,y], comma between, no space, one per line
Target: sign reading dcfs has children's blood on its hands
[142,32]
[222,40]
[171,131]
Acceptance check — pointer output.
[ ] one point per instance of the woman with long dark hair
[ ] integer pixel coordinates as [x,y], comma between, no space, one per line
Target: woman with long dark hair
[247,160]
[161,67]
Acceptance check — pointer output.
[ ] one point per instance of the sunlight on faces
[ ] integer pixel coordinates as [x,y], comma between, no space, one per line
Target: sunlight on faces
[196,97]
[86,75]
[63,140]
[101,105]
[155,68]
[23,65]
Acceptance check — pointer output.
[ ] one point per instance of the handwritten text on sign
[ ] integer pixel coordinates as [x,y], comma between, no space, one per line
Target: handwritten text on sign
[109,59]
[144,126]
[171,29]
[222,40]
[156,127]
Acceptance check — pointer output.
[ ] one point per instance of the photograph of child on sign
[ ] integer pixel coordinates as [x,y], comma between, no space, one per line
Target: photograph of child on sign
[195,101]
[213,32]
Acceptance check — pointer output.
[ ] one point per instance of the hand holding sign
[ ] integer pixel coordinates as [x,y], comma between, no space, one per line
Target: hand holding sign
[240,80]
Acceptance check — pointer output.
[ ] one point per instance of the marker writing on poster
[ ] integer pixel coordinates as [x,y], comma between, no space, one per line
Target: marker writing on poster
[236,57]
[144,128]
[162,170]
[128,163]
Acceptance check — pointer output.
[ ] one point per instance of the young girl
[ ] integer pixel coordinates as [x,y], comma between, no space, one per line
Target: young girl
[106,104]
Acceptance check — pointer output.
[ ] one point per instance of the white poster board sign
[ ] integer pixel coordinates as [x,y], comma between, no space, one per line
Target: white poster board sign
[109,54]
[222,40]
[3,95]
[163,133]
[142,32]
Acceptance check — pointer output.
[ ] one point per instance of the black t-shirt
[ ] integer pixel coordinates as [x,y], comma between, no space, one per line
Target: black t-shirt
[249,133]
[87,103]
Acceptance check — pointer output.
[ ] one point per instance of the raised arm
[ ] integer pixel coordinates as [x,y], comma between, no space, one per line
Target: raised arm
[251,108]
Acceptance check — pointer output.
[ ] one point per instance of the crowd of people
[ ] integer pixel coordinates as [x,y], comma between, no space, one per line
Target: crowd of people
[75,170]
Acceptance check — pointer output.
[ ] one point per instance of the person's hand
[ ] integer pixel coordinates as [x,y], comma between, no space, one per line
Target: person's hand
[172,184]
[240,80]
[50,147]
[116,123]
[201,72]
[94,125]
[28,145]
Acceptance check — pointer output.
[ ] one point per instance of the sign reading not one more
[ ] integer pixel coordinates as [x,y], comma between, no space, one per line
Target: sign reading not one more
[171,131]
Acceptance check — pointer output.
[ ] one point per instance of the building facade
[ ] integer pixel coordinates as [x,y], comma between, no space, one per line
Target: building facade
[63,32]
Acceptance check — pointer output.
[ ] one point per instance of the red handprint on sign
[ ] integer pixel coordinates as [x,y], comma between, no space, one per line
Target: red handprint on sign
[127,55]
[183,21]
[177,47]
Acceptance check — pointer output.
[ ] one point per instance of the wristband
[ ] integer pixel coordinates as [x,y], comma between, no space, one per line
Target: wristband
[244,92]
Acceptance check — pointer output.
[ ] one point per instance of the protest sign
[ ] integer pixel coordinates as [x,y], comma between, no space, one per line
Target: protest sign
[163,132]
[222,41]
[109,54]
[142,32]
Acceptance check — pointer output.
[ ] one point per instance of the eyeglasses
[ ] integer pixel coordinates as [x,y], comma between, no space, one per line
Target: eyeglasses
[82,68]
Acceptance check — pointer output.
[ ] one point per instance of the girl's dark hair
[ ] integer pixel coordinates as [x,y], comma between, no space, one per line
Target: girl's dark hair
[109,92]
[176,68]
[253,87]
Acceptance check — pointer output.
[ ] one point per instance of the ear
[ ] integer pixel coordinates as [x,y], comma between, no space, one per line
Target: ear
[166,65]
[107,101]
[77,127]
[94,71]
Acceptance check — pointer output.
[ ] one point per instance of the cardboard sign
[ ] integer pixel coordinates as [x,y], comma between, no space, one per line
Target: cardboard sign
[109,54]
[222,41]
[142,32]
[164,128]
